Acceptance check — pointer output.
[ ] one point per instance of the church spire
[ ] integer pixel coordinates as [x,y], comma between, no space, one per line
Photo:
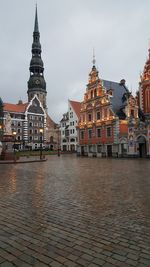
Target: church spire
[36,83]
[36,25]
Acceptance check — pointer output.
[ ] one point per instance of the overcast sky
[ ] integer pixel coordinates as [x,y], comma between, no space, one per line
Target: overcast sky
[118,30]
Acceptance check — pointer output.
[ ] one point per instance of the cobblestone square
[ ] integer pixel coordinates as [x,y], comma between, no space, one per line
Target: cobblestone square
[72,211]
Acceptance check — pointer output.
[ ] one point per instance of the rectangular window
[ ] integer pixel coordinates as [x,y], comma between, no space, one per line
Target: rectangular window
[73,131]
[71,114]
[82,134]
[109,133]
[98,132]
[90,133]
[98,115]
[90,117]
[132,113]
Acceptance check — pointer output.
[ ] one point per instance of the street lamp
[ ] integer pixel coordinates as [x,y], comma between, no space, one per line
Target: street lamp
[58,150]
[1,131]
[41,139]
[14,135]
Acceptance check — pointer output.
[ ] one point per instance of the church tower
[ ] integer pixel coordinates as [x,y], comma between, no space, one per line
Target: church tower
[36,83]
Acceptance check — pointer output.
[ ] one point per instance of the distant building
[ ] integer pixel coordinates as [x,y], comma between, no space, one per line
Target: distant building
[68,124]
[29,119]
[26,121]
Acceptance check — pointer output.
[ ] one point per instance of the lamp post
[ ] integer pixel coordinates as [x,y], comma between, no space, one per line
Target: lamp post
[1,136]
[14,135]
[1,131]
[58,150]
[41,140]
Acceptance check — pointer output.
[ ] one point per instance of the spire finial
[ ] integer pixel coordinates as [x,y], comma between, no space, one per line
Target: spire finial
[36,26]
[94,60]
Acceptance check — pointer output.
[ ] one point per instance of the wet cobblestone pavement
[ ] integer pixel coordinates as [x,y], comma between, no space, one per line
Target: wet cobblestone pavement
[73,211]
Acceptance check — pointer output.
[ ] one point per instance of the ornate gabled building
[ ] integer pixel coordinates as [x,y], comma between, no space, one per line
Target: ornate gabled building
[104,115]
[144,88]
[139,130]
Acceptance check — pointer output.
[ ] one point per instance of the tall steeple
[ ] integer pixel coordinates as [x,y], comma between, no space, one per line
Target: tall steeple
[36,83]
[36,25]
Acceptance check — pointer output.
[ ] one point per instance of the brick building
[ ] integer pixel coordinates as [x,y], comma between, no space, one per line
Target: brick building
[106,111]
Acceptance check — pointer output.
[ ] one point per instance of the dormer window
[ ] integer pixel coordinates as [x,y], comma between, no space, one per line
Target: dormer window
[110,92]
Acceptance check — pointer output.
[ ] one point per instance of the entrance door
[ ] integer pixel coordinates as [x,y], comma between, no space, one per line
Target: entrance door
[142,146]
[64,148]
[109,151]
[82,150]
[142,150]
[72,147]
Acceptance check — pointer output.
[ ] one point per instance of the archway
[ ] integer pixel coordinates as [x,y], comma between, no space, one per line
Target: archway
[142,146]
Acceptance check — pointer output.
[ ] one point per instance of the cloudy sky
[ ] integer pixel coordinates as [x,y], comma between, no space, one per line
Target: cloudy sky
[118,30]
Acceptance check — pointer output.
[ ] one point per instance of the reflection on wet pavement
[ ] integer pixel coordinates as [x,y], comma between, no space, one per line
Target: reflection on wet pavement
[71,211]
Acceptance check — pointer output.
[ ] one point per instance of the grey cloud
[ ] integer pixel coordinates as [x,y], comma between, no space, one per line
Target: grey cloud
[119,31]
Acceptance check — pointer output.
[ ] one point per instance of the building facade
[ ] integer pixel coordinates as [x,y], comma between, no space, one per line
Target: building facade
[27,122]
[139,130]
[68,127]
[107,113]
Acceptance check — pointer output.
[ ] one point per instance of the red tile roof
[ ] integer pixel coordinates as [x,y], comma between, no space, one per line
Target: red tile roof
[76,106]
[18,108]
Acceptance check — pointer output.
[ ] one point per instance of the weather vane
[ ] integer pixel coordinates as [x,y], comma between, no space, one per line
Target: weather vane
[94,60]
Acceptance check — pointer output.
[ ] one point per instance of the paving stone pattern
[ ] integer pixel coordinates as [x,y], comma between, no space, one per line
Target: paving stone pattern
[72,211]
